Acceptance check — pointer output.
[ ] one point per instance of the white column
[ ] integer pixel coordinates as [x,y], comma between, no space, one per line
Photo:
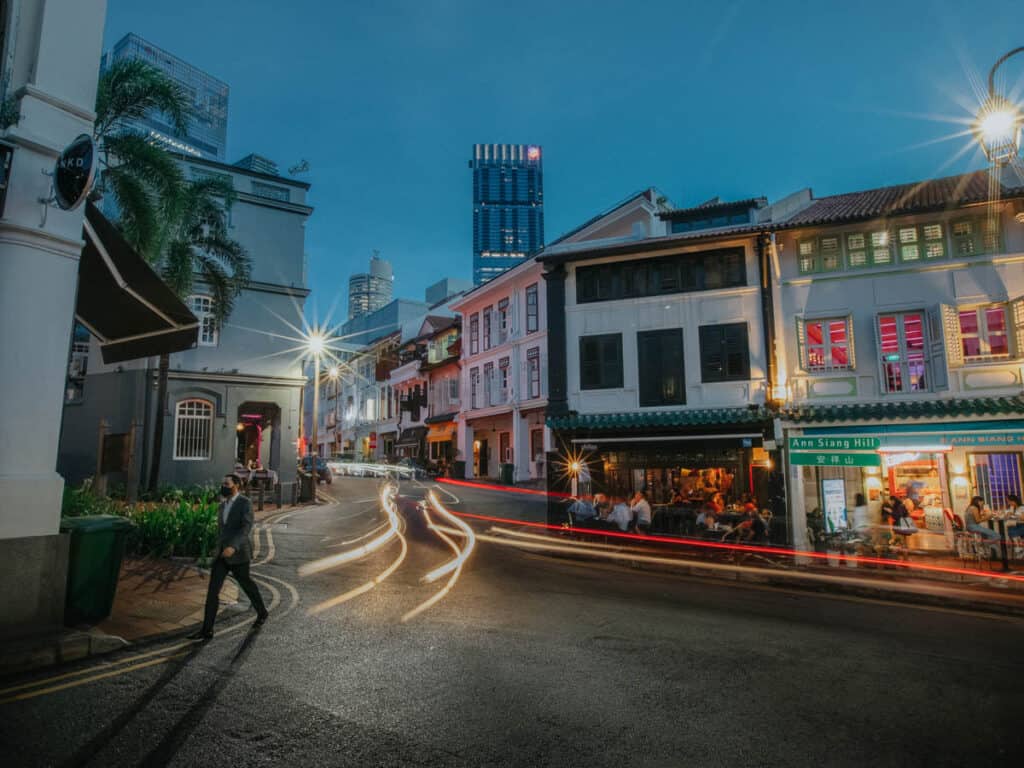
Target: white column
[520,447]
[56,48]
[464,441]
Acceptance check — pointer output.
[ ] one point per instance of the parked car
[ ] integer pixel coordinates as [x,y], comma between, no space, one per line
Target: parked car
[323,472]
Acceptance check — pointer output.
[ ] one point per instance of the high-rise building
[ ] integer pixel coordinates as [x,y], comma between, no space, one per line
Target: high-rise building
[207,132]
[369,291]
[508,206]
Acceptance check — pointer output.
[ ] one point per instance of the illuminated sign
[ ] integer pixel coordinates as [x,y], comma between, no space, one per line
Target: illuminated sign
[834,443]
[533,153]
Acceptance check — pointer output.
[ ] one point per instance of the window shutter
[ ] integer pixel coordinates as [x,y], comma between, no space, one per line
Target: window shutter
[801,342]
[851,348]
[883,386]
[1015,318]
[937,349]
[951,329]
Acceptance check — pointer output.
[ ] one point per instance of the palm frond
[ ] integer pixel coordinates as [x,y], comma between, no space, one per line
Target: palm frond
[137,218]
[221,285]
[132,88]
[135,154]
[179,266]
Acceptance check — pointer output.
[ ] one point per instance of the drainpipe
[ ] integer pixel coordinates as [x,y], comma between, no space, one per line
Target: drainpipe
[764,243]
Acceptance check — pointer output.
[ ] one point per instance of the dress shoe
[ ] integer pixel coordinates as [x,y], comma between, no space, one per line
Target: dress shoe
[201,635]
[261,619]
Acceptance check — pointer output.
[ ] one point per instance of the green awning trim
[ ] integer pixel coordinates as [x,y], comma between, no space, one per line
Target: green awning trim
[911,409]
[704,417]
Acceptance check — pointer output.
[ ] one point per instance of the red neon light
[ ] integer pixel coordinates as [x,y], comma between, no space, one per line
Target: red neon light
[794,553]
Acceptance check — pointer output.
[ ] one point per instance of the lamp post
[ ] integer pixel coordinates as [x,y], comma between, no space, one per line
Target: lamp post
[315,344]
[997,126]
[334,374]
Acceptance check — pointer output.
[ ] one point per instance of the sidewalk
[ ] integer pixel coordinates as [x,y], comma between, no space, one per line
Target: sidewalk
[154,598]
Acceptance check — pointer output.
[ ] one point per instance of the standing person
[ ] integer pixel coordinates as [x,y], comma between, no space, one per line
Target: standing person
[234,551]
[641,510]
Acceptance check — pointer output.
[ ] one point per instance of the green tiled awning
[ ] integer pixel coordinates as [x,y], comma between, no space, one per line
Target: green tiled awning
[911,409]
[704,417]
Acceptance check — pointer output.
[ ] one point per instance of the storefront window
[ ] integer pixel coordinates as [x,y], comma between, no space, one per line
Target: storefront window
[995,476]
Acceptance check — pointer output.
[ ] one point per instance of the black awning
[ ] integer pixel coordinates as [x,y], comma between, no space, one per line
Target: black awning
[123,302]
[411,436]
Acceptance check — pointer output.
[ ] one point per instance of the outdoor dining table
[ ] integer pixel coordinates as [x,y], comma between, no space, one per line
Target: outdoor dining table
[1004,550]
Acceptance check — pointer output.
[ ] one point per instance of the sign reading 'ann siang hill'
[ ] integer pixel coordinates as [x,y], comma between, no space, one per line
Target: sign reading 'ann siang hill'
[834,443]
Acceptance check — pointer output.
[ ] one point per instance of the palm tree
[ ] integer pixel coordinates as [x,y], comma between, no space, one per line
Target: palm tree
[138,173]
[195,244]
[180,227]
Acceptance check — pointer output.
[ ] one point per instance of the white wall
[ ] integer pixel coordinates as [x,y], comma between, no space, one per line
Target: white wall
[688,311]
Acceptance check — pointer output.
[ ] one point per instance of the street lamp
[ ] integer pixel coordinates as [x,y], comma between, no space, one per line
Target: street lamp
[334,374]
[316,344]
[997,126]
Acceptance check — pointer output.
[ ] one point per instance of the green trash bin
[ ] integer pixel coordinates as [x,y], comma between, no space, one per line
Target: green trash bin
[505,473]
[307,488]
[94,563]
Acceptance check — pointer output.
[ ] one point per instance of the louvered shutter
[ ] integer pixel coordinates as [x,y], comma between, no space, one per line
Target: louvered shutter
[951,332]
[851,347]
[937,348]
[801,343]
[1017,321]
[882,381]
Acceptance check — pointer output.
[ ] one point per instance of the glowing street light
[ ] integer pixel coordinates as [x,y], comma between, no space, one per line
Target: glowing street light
[316,344]
[997,126]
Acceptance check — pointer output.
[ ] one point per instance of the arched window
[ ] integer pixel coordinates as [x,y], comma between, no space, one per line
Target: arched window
[193,430]
[202,307]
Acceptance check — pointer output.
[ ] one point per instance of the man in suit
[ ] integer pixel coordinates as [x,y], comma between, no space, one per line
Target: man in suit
[234,551]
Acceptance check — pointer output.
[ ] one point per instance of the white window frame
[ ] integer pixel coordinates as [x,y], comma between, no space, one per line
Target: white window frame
[930,375]
[201,305]
[986,354]
[804,346]
[533,372]
[188,428]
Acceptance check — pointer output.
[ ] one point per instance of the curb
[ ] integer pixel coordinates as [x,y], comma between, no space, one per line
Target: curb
[28,654]
[932,594]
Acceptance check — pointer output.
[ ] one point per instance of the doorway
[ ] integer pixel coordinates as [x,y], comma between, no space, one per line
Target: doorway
[481,462]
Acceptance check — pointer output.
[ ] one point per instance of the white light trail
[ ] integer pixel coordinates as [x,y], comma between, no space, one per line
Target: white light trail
[387,495]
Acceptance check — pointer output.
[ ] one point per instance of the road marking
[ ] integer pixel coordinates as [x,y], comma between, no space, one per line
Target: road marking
[271,550]
[275,601]
[76,683]
[255,541]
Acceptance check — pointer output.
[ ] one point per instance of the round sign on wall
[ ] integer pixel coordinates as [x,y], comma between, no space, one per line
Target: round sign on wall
[73,173]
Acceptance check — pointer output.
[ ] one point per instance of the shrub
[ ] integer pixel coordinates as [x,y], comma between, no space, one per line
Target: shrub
[185,527]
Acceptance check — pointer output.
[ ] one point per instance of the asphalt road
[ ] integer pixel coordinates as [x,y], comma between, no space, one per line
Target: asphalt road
[528,661]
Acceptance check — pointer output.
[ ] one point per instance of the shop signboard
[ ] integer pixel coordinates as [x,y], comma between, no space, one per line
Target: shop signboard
[833,494]
[833,459]
[830,443]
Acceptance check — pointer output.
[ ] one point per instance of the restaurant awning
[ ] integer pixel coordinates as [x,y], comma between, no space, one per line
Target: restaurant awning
[441,432]
[411,437]
[123,302]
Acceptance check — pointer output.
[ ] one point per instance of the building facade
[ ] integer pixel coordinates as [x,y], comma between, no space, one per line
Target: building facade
[664,366]
[235,397]
[207,132]
[504,391]
[902,314]
[508,206]
[369,291]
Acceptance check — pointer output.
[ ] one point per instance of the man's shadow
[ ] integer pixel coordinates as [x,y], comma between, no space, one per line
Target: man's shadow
[90,749]
[168,747]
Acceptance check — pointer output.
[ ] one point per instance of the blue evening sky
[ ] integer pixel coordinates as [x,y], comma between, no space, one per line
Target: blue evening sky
[698,99]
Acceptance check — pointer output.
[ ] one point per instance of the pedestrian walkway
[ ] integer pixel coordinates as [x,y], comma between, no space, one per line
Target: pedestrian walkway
[155,597]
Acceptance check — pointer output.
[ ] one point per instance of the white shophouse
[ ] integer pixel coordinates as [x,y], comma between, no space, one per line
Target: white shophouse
[504,376]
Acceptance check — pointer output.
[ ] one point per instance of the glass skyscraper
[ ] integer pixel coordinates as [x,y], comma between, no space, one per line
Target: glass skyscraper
[207,127]
[369,291]
[508,206]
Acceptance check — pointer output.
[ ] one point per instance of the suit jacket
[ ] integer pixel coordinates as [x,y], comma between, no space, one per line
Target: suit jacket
[236,531]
